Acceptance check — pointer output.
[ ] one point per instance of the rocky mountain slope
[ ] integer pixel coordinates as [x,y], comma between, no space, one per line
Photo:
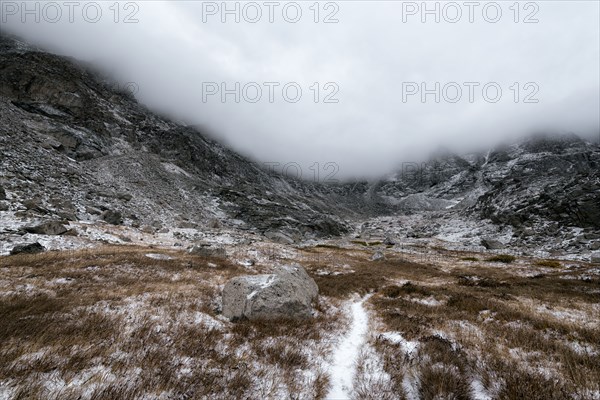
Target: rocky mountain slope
[74,148]
[545,187]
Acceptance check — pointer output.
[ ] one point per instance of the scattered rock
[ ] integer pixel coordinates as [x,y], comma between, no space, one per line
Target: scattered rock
[279,237]
[67,215]
[93,211]
[214,224]
[492,244]
[205,250]
[47,228]
[148,229]
[112,217]
[287,293]
[31,248]
[528,232]
[34,205]
[378,256]
[388,241]
[124,196]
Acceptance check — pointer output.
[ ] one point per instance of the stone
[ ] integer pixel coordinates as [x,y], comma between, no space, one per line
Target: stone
[595,258]
[205,250]
[279,237]
[112,217]
[47,228]
[31,248]
[378,255]
[2,193]
[594,245]
[286,293]
[492,244]
[388,241]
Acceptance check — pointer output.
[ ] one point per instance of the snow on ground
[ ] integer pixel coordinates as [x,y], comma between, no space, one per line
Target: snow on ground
[408,347]
[343,369]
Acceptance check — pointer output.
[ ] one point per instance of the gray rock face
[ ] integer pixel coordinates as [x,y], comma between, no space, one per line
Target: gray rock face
[287,293]
[47,228]
[492,244]
[31,248]
[112,217]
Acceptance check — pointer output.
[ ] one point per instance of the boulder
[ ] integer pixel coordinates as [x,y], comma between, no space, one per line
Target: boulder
[31,248]
[388,241]
[205,250]
[112,217]
[378,255]
[47,228]
[279,237]
[492,244]
[287,293]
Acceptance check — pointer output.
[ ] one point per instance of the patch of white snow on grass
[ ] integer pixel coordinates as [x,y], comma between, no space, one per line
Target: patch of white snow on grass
[408,347]
[157,256]
[478,391]
[343,369]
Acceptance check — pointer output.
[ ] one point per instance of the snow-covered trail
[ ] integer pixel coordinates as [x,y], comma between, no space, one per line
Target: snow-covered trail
[344,361]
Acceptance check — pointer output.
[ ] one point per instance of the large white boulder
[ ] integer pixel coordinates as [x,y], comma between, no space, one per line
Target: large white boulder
[287,293]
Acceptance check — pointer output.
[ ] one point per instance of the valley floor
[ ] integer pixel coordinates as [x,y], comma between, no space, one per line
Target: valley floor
[133,322]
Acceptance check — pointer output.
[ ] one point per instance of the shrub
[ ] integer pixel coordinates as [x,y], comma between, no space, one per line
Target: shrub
[548,263]
[503,258]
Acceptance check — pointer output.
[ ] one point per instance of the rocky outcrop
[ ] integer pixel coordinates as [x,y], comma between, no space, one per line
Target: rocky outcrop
[287,293]
[31,248]
[205,250]
[47,228]
[112,217]
[492,244]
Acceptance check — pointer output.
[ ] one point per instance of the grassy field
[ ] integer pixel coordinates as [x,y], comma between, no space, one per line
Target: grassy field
[131,322]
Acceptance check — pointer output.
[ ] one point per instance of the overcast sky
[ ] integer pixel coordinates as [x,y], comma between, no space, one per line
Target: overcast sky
[374,61]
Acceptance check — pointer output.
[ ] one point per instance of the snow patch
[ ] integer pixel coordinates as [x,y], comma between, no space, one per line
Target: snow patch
[343,369]
[408,347]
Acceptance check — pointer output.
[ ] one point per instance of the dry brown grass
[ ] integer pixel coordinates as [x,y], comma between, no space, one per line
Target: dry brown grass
[523,328]
[120,325]
[126,326]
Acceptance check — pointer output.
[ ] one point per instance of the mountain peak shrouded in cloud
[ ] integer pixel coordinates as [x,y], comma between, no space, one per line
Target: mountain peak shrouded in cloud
[358,85]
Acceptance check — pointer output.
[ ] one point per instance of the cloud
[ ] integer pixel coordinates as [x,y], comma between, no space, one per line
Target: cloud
[374,54]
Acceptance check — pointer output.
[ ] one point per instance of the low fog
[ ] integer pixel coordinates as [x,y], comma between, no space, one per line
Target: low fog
[371,66]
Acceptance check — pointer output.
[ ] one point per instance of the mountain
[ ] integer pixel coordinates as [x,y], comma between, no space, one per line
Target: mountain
[544,187]
[75,148]
[72,148]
